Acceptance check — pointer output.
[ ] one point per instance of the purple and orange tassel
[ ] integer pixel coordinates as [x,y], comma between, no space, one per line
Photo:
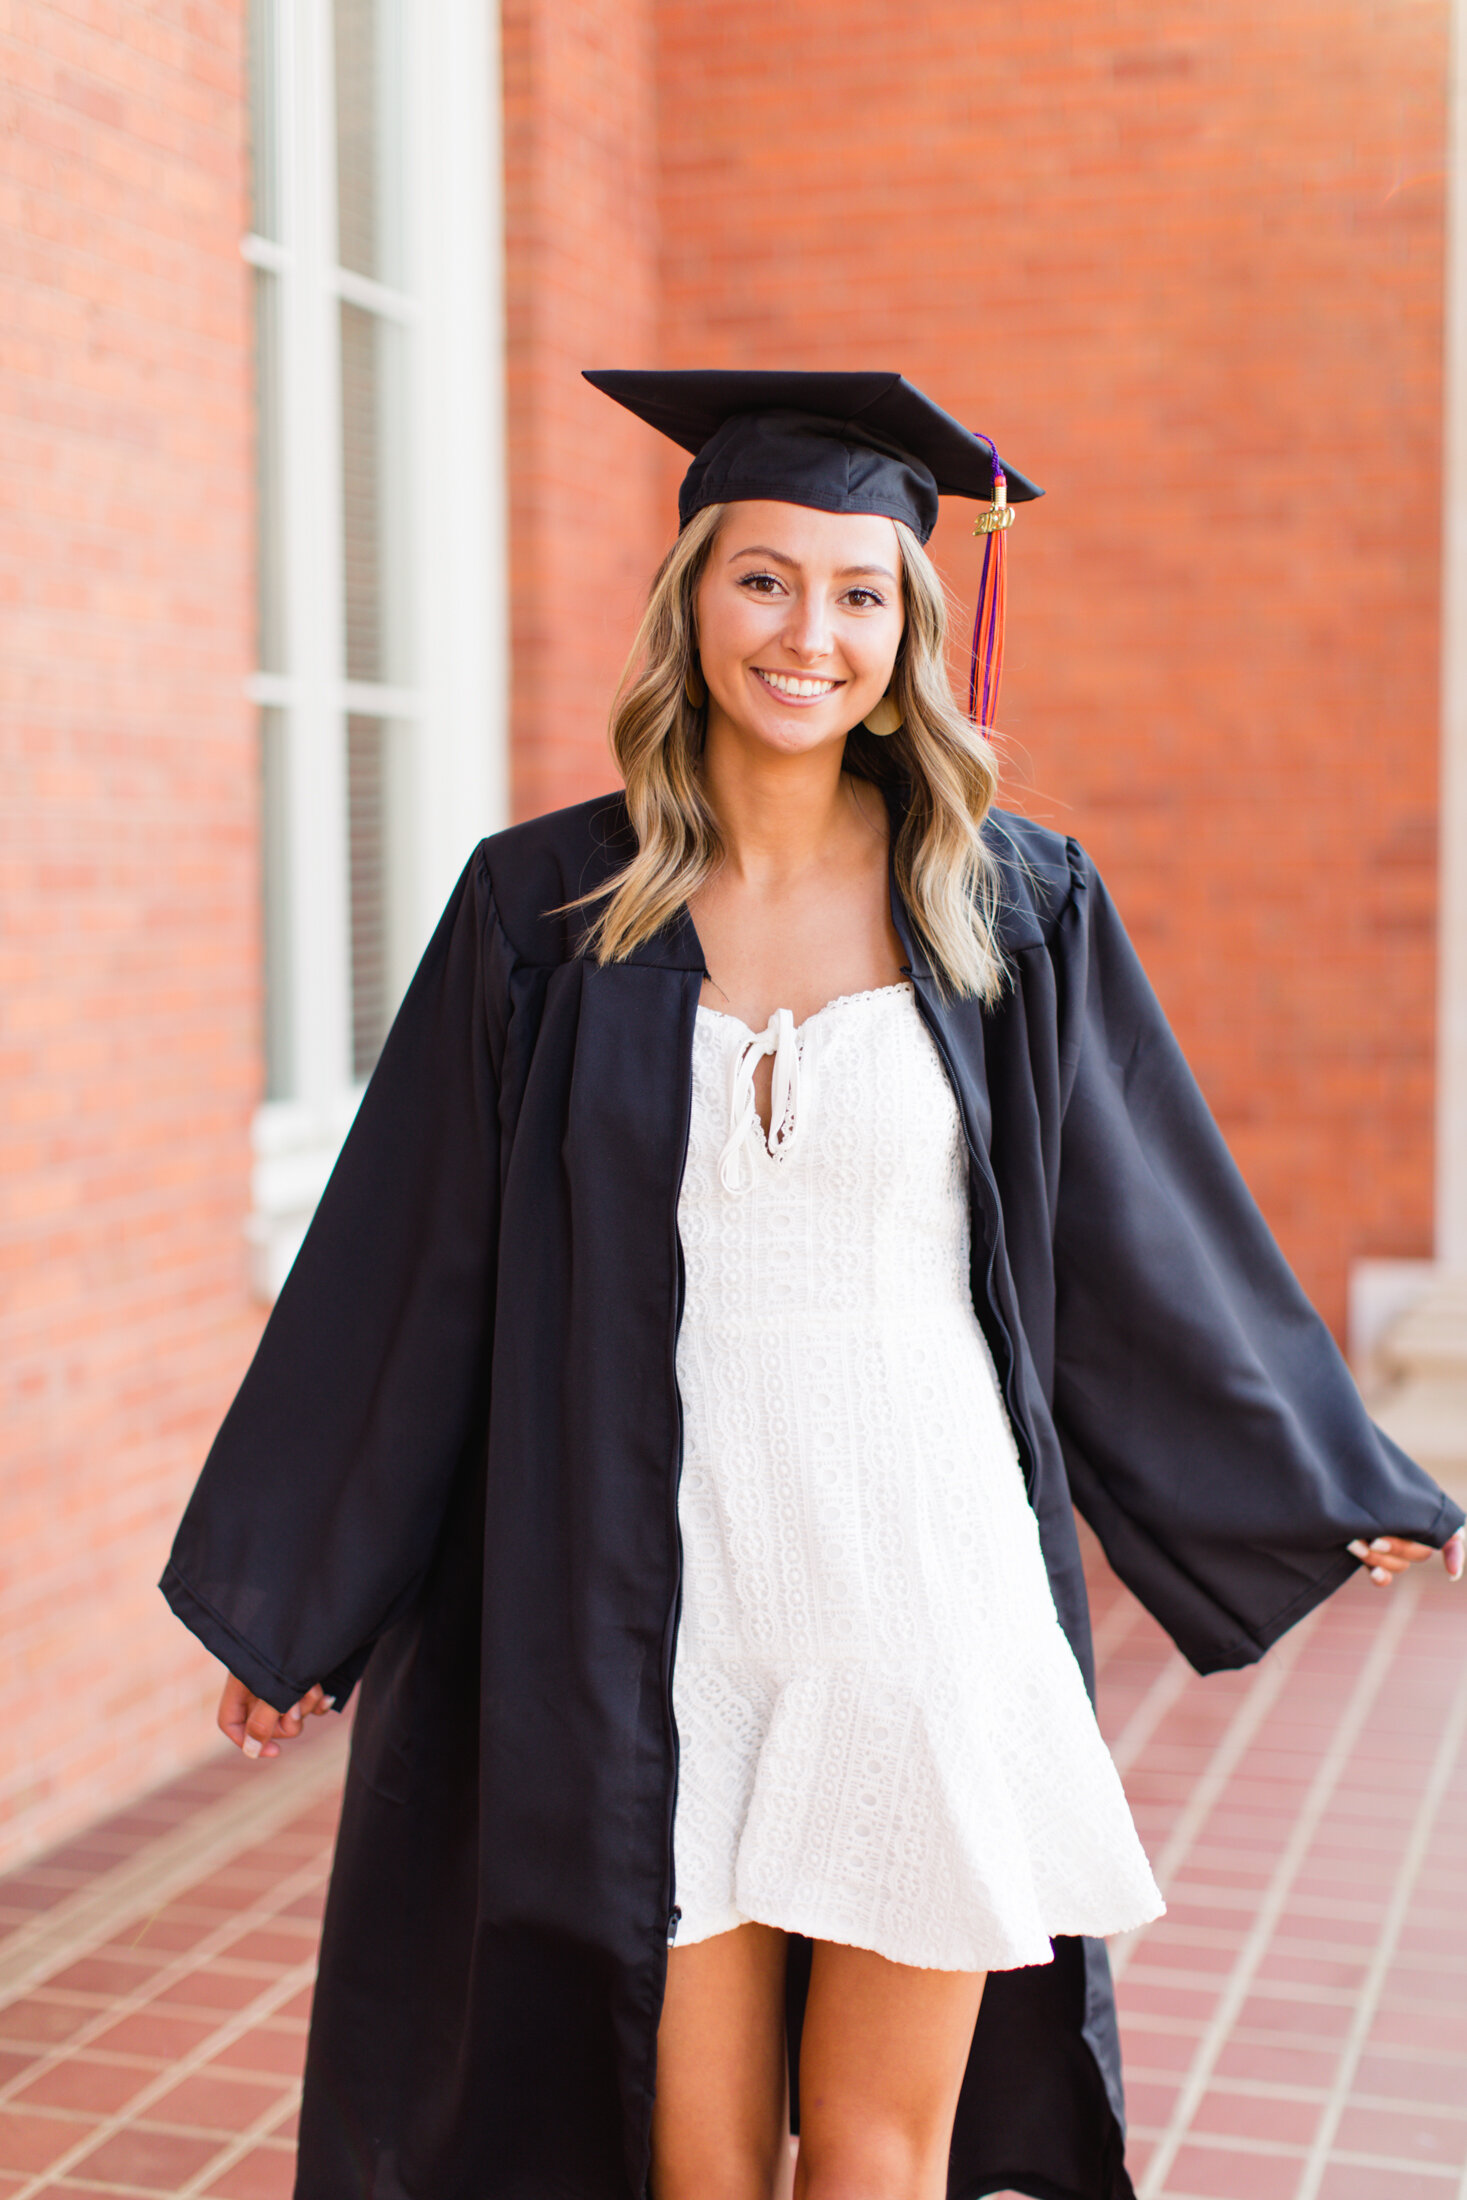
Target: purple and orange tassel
[988,619]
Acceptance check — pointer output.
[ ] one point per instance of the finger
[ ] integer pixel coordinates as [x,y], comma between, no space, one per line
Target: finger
[1385,1553]
[235,1705]
[312,1704]
[260,1730]
[1382,1570]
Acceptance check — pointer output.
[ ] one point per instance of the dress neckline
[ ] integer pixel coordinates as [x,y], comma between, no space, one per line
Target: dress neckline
[841,1000]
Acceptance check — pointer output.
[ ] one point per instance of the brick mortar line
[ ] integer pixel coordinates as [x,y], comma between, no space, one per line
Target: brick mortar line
[1258,1700]
[1220,2142]
[1304,1952]
[71,1878]
[282,2103]
[1307,2096]
[54,2052]
[1321,1997]
[1311,2043]
[184,2066]
[76,1997]
[1165,1687]
[127,1958]
[199,1913]
[126,2192]
[1346,1737]
[241,2144]
[202,1844]
[1345,1913]
[1372,1993]
[1297,1990]
[1186,1933]
[1118,1624]
[109,2057]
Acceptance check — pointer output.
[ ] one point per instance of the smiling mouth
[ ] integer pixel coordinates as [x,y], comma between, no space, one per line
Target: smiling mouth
[792,687]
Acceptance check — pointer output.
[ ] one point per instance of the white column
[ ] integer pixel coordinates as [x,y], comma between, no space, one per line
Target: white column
[1451,1151]
[1419,1362]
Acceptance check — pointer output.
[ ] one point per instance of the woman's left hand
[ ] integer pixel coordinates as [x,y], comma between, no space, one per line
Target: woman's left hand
[1390,1555]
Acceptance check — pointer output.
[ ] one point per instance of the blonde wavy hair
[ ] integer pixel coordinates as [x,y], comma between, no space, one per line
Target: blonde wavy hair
[942,765]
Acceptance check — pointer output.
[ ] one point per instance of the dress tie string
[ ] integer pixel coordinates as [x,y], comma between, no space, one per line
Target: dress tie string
[789,1101]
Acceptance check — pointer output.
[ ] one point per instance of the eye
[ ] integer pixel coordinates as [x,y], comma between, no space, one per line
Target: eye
[865,599]
[760,584]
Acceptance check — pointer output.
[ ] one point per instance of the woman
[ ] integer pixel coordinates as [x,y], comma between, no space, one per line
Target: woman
[799,1123]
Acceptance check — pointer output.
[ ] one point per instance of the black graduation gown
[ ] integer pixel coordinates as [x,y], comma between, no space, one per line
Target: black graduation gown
[453,1466]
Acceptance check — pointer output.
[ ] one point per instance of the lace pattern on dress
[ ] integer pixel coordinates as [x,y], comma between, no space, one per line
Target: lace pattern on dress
[885,1738]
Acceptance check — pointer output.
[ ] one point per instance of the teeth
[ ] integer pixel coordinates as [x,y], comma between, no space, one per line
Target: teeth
[787,685]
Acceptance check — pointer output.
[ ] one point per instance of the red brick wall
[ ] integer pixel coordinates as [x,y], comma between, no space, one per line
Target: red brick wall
[129,1008]
[586,523]
[1185,263]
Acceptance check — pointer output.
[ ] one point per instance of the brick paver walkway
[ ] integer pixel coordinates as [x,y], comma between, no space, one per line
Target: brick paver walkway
[1295,2028]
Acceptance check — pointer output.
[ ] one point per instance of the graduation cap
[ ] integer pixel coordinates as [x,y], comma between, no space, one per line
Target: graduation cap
[841,443]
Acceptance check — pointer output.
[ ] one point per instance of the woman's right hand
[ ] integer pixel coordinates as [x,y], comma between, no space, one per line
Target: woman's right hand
[255,1726]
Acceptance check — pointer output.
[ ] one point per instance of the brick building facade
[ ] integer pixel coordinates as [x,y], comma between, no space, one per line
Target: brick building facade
[130,943]
[1185,263]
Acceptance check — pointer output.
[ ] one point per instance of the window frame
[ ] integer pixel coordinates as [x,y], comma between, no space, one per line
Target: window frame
[457,705]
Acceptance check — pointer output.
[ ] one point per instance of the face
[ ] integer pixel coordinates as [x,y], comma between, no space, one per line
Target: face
[799,617]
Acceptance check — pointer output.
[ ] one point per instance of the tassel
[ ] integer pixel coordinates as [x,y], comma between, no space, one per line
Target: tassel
[988,619]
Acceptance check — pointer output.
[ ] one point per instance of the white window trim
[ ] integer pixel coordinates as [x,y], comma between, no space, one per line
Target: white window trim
[457,471]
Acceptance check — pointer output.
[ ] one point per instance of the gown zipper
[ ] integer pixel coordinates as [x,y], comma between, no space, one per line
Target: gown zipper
[669,1655]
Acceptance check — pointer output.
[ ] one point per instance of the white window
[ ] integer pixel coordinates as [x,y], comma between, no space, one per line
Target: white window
[376,255]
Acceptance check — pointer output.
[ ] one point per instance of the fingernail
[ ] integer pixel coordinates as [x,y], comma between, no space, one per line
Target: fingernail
[1379,1573]
[252,1748]
[1456,1559]
[1381,1543]
[1357,1549]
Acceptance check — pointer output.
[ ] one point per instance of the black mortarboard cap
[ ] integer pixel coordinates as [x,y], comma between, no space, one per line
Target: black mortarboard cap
[839,442]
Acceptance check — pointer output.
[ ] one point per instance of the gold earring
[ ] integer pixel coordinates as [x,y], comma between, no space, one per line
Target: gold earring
[884,718]
[693,688]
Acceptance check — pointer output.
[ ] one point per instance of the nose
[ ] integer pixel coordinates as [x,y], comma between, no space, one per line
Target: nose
[808,632]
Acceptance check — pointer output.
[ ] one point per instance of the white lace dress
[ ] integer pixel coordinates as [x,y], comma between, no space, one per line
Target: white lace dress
[885,1738]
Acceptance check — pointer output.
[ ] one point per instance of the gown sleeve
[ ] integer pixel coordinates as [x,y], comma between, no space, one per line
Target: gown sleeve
[1214,1437]
[320,1502]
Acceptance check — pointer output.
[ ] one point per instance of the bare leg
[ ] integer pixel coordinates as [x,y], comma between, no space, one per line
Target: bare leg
[881,2065]
[720,2123]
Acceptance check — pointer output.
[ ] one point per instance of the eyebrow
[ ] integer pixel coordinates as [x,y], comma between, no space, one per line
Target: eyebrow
[777,557]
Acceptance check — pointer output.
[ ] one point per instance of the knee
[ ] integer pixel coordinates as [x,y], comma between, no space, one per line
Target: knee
[872,2162]
[731,2172]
